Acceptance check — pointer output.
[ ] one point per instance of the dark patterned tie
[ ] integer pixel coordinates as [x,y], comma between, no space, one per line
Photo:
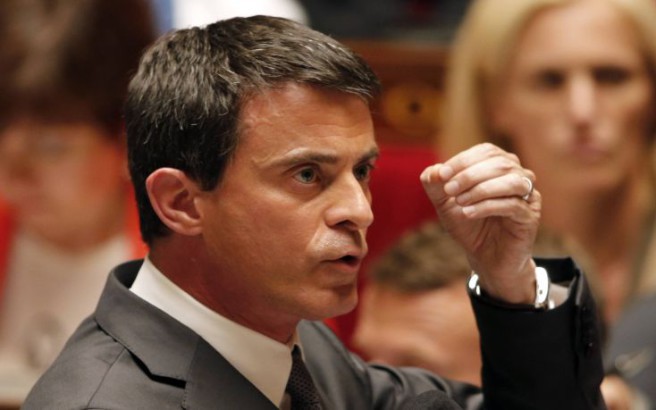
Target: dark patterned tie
[300,386]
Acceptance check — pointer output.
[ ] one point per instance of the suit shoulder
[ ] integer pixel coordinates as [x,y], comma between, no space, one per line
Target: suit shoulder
[95,371]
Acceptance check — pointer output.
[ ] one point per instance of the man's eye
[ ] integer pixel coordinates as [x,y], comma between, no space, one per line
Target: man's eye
[306,175]
[363,172]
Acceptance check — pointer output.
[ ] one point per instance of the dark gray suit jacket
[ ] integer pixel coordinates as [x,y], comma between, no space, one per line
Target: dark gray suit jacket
[131,355]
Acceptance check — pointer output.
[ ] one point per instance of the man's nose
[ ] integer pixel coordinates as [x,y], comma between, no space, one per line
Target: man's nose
[351,205]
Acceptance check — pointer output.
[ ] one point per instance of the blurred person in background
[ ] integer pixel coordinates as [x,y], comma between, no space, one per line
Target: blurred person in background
[415,310]
[170,14]
[397,20]
[66,210]
[569,86]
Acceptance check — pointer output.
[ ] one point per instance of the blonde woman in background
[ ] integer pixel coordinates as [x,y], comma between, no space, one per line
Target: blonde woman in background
[569,86]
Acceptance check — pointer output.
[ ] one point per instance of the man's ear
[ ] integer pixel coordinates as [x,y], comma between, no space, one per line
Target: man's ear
[172,194]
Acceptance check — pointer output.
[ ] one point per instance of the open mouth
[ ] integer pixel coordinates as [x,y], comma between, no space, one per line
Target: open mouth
[349,260]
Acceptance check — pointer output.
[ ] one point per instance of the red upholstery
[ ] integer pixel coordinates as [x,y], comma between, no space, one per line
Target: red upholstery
[399,204]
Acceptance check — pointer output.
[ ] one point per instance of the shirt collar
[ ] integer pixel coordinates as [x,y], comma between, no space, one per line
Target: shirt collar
[265,362]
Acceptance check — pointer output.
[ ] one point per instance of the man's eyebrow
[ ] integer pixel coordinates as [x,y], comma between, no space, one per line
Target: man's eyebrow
[302,157]
[373,154]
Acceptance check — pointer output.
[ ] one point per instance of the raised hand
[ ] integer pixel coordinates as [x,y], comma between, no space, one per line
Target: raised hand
[486,201]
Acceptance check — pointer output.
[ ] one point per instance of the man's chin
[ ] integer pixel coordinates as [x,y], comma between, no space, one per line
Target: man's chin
[339,301]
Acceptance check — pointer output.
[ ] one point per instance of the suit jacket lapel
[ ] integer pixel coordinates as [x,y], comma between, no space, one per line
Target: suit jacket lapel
[169,349]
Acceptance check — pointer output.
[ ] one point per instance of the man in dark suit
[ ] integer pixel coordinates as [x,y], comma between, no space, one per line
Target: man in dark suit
[250,145]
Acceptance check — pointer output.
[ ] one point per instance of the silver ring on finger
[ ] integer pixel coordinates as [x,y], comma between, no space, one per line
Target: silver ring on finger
[526,196]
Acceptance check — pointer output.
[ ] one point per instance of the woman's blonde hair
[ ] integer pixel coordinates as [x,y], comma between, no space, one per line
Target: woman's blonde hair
[483,48]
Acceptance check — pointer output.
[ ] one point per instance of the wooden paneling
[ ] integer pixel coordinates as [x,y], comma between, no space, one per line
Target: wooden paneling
[412,75]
